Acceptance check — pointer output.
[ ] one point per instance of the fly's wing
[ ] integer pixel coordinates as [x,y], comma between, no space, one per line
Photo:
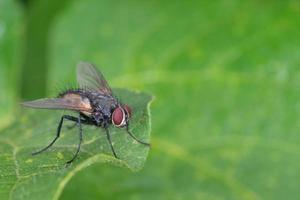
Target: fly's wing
[88,77]
[58,103]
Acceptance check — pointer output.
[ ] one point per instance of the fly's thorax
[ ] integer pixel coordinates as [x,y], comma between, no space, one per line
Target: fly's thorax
[100,100]
[98,118]
[102,103]
[103,113]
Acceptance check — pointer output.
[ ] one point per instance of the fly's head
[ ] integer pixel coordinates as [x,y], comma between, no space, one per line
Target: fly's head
[121,115]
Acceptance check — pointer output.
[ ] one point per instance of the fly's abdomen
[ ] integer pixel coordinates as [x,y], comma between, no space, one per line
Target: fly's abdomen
[81,100]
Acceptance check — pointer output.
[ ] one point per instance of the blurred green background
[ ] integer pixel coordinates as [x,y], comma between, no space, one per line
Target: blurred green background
[225,74]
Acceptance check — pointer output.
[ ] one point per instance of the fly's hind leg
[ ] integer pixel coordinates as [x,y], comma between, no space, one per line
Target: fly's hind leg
[80,141]
[68,117]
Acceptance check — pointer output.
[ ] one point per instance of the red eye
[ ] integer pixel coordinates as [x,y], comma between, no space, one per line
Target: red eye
[118,117]
[128,110]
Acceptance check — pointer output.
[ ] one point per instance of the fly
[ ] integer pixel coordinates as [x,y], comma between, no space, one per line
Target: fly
[94,104]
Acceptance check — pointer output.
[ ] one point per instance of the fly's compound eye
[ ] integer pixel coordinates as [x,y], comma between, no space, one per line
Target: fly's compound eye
[118,117]
[128,110]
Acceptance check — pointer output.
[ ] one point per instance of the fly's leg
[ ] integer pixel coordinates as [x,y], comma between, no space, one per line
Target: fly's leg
[68,117]
[80,141]
[83,121]
[110,143]
[131,135]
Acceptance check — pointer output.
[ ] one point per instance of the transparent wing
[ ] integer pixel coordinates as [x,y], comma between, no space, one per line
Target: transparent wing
[58,103]
[88,77]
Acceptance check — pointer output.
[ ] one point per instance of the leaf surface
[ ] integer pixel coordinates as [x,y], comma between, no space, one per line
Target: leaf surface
[44,176]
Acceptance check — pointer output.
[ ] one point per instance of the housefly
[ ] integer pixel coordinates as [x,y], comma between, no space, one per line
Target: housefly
[94,104]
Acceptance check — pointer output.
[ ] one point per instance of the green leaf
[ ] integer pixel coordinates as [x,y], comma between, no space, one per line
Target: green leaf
[226,77]
[44,176]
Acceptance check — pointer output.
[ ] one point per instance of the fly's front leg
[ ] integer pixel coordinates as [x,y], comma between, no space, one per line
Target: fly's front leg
[131,135]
